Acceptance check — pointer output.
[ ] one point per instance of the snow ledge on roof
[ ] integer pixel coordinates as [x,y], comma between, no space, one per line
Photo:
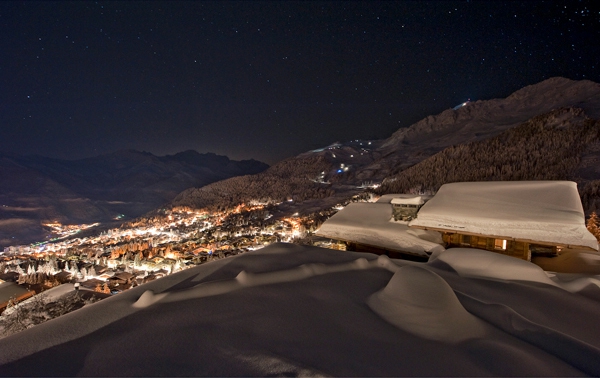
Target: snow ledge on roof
[542,211]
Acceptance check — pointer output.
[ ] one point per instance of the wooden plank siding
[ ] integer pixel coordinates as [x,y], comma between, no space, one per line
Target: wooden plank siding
[529,241]
[503,246]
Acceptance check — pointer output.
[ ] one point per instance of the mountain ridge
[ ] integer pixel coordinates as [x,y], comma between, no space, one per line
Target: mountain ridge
[36,189]
[476,121]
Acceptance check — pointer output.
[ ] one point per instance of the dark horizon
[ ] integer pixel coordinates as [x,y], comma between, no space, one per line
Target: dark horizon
[266,80]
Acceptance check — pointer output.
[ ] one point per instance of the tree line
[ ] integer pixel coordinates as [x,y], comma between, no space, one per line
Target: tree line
[291,179]
[547,147]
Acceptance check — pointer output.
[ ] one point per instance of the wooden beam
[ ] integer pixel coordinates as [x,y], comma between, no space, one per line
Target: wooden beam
[504,237]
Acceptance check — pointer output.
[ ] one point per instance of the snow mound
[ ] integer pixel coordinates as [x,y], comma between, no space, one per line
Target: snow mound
[571,262]
[478,263]
[576,352]
[248,279]
[580,283]
[290,310]
[420,302]
[148,298]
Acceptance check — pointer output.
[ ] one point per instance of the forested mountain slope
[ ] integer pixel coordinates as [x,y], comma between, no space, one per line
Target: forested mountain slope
[480,120]
[547,147]
[292,179]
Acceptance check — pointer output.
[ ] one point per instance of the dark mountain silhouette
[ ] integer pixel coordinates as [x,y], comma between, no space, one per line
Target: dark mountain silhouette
[36,189]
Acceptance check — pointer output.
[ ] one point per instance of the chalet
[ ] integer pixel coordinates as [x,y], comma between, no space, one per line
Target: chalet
[10,290]
[369,227]
[63,276]
[515,218]
[100,269]
[124,277]
[106,275]
[9,277]
[92,283]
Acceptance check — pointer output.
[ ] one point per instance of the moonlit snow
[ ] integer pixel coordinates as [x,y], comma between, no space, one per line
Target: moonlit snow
[543,211]
[297,310]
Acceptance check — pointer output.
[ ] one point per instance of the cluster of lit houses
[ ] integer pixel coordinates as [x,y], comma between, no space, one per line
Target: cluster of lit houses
[145,249]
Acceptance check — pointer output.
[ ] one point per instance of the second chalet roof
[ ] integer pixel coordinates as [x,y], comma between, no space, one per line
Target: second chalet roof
[369,224]
[542,211]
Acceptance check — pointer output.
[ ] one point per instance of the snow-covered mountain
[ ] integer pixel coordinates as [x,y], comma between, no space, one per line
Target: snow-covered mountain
[289,310]
[563,144]
[480,120]
[325,175]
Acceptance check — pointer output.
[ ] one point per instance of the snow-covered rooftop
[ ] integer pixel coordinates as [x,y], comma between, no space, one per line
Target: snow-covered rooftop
[390,198]
[369,224]
[289,310]
[539,211]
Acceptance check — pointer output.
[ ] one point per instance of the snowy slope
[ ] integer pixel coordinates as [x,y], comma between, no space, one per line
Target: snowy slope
[481,118]
[545,211]
[295,310]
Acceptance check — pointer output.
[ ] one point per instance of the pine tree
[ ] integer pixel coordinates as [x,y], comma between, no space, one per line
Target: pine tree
[593,225]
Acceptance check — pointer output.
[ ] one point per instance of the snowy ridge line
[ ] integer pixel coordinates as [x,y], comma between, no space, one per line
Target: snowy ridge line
[576,352]
[247,279]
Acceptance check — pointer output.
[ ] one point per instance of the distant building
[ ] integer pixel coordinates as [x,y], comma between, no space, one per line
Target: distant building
[515,218]
[10,290]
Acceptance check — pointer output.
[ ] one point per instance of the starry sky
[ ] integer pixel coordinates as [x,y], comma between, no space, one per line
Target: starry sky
[267,80]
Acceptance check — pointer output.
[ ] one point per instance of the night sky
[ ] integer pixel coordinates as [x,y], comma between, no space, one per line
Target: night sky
[267,80]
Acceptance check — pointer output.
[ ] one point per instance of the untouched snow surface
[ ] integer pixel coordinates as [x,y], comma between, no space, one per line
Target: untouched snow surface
[369,224]
[571,262]
[543,211]
[297,310]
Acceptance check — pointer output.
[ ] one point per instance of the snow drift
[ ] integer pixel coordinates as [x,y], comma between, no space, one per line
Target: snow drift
[296,310]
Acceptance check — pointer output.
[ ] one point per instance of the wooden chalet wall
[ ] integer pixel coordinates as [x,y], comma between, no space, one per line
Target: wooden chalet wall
[512,248]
